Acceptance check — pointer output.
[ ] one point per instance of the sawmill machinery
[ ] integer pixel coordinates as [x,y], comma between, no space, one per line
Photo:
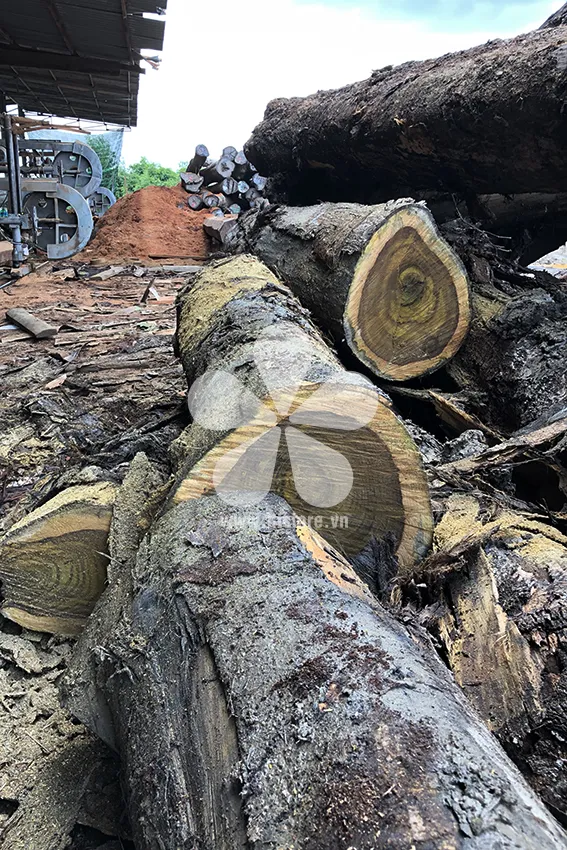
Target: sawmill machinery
[49,192]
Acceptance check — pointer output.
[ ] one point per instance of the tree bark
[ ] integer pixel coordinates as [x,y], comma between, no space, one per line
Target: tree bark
[498,587]
[514,360]
[451,124]
[275,411]
[260,697]
[380,276]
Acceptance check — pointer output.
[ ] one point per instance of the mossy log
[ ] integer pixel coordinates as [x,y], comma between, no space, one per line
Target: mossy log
[259,696]
[514,360]
[275,411]
[468,123]
[381,277]
[53,562]
[498,585]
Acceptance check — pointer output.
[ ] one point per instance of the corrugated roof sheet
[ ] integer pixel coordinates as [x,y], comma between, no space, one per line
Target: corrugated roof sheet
[94,29]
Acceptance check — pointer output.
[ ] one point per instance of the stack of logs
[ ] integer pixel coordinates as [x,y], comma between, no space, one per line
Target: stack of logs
[228,185]
[284,662]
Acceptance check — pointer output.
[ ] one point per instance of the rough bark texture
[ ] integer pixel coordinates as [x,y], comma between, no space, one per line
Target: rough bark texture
[381,276]
[514,359]
[266,374]
[261,698]
[498,586]
[490,119]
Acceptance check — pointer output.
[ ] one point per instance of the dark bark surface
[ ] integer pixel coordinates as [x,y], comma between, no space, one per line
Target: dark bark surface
[261,698]
[514,360]
[486,120]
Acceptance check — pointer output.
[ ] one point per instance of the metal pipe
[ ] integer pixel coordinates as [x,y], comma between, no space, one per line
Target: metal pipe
[14,192]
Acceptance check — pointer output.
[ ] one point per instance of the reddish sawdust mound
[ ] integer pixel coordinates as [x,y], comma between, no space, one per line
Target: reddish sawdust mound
[150,224]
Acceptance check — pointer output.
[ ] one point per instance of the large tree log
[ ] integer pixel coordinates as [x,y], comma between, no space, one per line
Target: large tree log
[260,697]
[497,584]
[380,276]
[490,119]
[276,412]
[514,361]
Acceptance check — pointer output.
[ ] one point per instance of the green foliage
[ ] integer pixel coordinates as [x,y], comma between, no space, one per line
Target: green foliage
[122,179]
[145,173]
[110,163]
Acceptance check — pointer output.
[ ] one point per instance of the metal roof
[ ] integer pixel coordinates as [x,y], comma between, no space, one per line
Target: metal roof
[77,58]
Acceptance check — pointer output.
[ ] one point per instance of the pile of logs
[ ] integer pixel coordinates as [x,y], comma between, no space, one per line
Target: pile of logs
[229,184]
[279,666]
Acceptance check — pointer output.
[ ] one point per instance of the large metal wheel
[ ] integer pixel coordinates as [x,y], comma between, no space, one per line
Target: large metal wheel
[80,168]
[62,220]
[101,200]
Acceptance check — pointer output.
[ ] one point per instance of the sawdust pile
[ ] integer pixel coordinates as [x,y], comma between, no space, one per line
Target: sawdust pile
[151,224]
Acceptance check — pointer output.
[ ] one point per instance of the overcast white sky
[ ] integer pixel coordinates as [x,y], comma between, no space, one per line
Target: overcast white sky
[224,61]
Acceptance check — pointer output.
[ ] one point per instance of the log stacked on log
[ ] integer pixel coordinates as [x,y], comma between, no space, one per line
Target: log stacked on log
[230,183]
[448,128]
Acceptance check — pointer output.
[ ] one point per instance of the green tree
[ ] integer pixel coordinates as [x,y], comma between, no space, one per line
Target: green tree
[110,163]
[145,173]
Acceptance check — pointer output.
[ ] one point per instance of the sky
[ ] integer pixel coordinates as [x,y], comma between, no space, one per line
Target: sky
[219,71]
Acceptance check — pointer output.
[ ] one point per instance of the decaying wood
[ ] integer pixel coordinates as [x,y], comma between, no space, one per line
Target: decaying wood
[278,704]
[53,562]
[498,586]
[448,124]
[35,326]
[514,359]
[237,319]
[381,276]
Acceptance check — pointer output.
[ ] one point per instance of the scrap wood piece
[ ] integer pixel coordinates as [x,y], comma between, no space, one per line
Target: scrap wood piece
[499,581]
[53,562]
[510,451]
[37,327]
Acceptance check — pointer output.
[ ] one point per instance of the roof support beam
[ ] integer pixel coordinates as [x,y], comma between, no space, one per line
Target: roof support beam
[25,58]
[54,12]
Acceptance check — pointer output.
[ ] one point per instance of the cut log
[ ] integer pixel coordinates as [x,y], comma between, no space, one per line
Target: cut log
[217,171]
[53,562]
[278,705]
[450,124]
[192,182]
[199,159]
[30,323]
[258,182]
[295,422]
[230,152]
[381,276]
[219,229]
[498,583]
[228,186]
[195,202]
[241,166]
[514,362]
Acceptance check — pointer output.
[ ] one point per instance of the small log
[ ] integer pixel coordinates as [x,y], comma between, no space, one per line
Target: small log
[228,186]
[53,562]
[199,159]
[212,200]
[242,187]
[258,182]
[219,228]
[382,276]
[241,166]
[234,209]
[230,153]
[195,202]
[252,194]
[237,312]
[191,182]
[250,668]
[218,170]
[30,323]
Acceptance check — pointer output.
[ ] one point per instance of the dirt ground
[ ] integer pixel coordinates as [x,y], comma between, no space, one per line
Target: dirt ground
[107,385]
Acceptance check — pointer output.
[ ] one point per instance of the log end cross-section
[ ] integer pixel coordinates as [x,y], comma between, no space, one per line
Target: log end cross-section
[53,562]
[408,307]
